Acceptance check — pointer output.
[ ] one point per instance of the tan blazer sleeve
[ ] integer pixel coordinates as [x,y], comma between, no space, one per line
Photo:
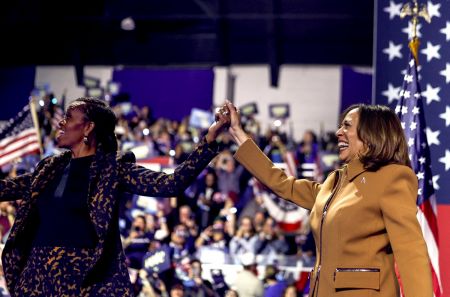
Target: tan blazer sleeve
[300,191]
[398,206]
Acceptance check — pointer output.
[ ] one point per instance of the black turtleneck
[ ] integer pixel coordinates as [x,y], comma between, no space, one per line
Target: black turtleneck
[63,219]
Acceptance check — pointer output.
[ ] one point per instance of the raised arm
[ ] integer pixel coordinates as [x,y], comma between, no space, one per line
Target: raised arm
[139,180]
[301,192]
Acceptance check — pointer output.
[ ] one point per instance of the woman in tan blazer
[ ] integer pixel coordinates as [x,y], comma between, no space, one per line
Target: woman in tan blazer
[363,215]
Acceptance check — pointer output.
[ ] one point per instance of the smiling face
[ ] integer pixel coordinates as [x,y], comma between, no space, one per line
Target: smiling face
[72,129]
[350,145]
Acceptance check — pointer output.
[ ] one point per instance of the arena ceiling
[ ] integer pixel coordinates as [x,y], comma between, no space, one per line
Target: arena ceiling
[186,32]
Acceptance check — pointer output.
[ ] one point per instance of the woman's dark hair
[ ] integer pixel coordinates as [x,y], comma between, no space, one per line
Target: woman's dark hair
[98,111]
[250,218]
[313,135]
[380,130]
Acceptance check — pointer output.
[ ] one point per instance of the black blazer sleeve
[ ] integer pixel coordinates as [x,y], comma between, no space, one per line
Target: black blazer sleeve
[139,180]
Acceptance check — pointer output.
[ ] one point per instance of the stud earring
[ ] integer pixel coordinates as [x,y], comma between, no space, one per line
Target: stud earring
[85,139]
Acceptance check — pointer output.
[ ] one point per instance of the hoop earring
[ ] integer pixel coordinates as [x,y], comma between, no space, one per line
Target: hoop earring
[85,139]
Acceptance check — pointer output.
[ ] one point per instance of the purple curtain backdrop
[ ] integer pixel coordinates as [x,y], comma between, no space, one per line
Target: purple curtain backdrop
[16,84]
[170,93]
[356,87]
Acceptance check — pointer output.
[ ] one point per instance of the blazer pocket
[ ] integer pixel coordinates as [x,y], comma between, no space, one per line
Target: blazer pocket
[357,278]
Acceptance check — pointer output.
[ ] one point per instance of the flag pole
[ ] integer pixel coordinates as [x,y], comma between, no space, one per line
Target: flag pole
[34,116]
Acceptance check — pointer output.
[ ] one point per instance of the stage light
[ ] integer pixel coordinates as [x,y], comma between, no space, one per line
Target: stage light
[127,24]
[277,123]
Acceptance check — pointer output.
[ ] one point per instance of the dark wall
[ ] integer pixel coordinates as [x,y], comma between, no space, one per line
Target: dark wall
[16,85]
[170,93]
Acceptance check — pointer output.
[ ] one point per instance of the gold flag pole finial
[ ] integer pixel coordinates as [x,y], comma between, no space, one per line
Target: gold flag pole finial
[415,12]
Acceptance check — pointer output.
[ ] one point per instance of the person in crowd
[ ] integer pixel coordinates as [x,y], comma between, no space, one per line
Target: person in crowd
[247,283]
[259,219]
[136,244]
[307,156]
[183,147]
[276,148]
[228,175]
[151,285]
[187,218]
[183,215]
[244,240]
[251,203]
[212,244]
[181,245]
[270,244]
[156,225]
[273,284]
[146,114]
[164,142]
[195,285]
[364,214]
[307,247]
[290,291]
[228,215]
[231,293]
[177,290]
[209,199]
[69,212]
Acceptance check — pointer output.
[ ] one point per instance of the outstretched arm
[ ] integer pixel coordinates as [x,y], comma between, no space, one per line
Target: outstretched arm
[139,180]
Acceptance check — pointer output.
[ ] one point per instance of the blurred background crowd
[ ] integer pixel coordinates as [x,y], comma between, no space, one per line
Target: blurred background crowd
[225,228]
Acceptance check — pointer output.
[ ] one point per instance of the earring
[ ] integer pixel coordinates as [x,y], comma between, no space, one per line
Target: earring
[85,139]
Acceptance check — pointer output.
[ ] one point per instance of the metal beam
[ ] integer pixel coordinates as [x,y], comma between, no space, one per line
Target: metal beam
[209,11]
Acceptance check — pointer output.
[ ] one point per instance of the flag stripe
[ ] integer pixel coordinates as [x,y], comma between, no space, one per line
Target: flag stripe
[18,137]
[432,245]
[18,146]
[430,216]
[7,141]
[290,227]
[30,149]
[436,283]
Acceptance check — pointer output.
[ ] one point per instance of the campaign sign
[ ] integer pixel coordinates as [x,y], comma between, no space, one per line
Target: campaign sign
[157,260]
[201,118]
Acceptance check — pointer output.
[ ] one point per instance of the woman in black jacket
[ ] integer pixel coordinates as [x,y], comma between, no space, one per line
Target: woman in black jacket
[65,240]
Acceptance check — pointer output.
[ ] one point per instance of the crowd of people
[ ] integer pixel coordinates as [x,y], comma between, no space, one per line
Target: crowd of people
[219,219]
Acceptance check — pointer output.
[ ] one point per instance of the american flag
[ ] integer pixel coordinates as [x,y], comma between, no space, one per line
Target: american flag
[410,111]
[18,137]
[414,106]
